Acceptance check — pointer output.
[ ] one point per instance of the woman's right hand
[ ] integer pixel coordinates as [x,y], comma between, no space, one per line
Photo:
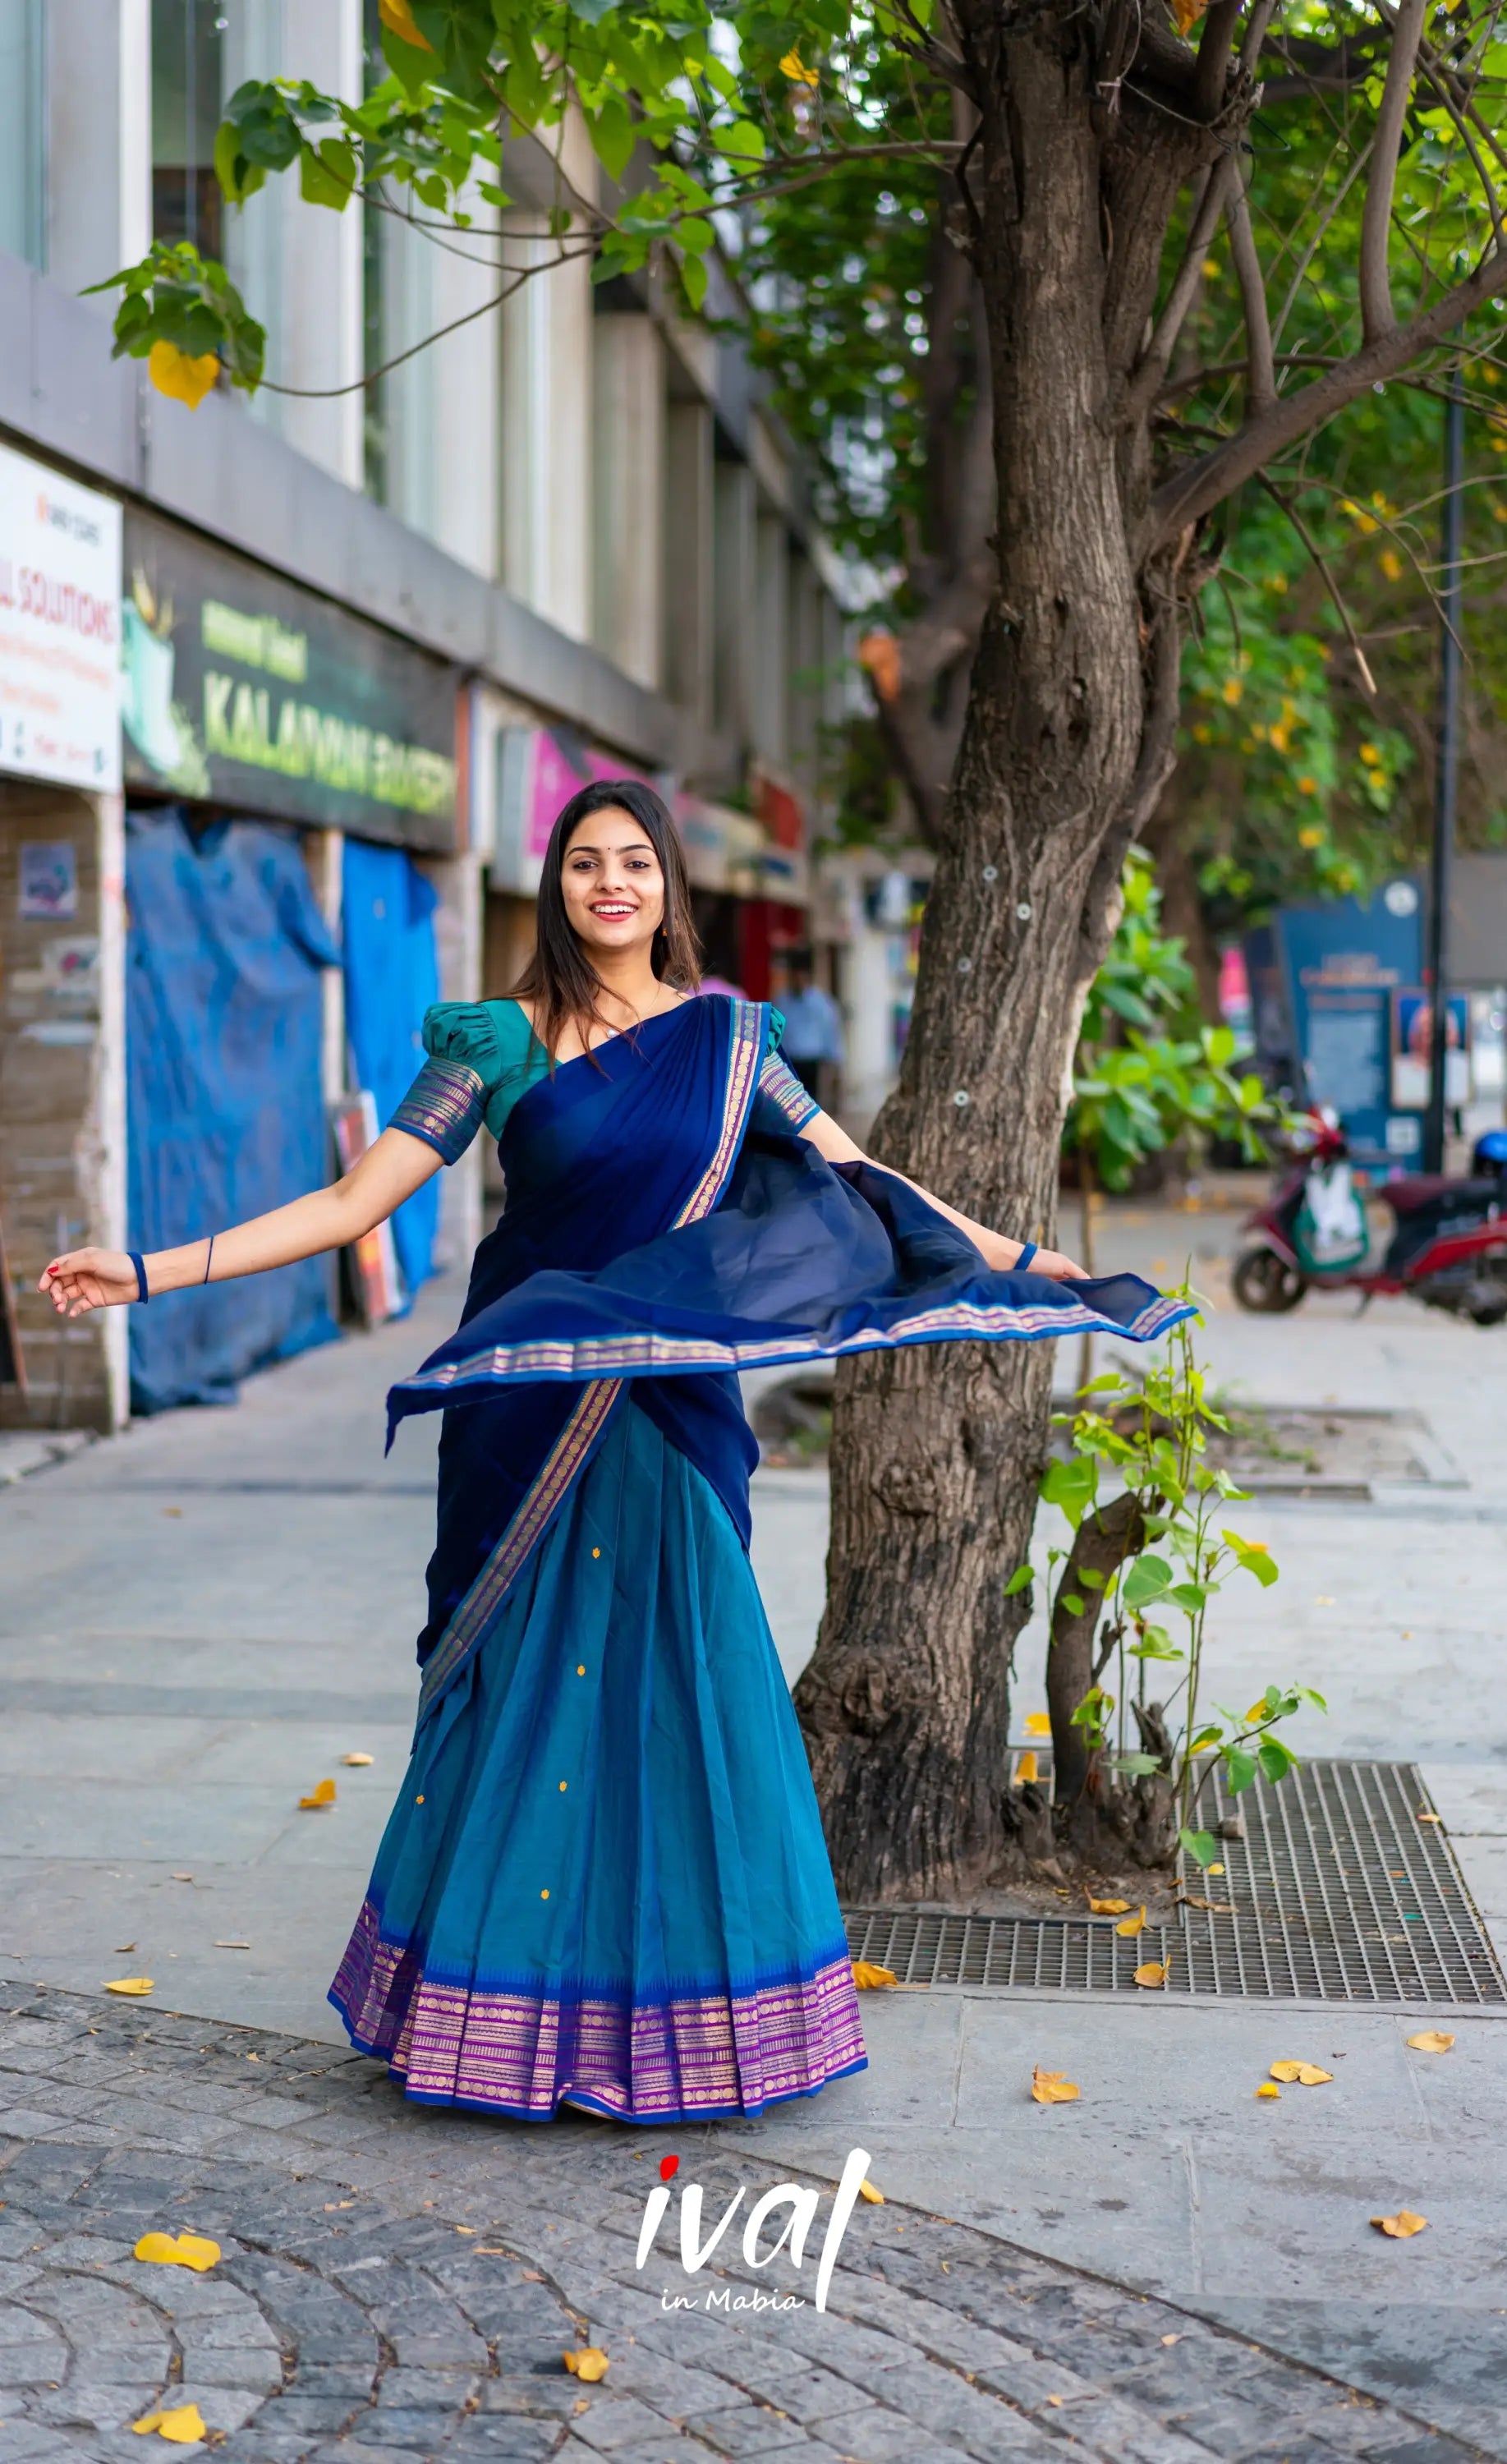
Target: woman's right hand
[87,1279]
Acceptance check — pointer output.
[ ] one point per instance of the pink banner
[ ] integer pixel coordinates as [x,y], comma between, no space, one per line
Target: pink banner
[557,778]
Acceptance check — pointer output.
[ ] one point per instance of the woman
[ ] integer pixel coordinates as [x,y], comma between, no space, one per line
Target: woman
[605,1881]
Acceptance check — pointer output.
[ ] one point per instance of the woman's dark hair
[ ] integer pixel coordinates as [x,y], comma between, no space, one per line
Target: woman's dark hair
[559,981]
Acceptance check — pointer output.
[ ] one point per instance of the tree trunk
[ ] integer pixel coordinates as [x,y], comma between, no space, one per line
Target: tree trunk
[936,1451]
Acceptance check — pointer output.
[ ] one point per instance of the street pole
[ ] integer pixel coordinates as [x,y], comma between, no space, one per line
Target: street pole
[1446,771]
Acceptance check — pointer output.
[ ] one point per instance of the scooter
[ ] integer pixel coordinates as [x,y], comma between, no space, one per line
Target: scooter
[1448,1241]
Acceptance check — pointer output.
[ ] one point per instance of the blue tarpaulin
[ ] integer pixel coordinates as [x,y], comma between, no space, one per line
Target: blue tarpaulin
[226,1116]
[391,976]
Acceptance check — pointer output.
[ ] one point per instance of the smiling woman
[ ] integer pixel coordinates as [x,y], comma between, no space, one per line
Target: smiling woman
[605,1881]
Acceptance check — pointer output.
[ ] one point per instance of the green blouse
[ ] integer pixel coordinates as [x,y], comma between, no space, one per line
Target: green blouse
[484,1056]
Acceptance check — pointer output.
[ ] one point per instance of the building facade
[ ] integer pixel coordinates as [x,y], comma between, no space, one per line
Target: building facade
[392,612]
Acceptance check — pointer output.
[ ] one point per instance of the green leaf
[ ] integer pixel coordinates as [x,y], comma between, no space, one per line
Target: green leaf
[237,178]
[1134,1765]
[1241,1767]
[1147,1580]
[614,137]
[1108,1383]
[694,275]
[327,173]
[1201,1845]
[1090,1578]
[1017,1582]
[696,235]
[742,143]
[1205,1738]
[1192,1597]
[1276,1760]
[1073,1602]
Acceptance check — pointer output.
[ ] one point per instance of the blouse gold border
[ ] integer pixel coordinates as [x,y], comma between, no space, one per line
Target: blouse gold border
[444,1108]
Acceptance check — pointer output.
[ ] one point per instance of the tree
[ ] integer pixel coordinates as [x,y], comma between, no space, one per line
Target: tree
[1095,149]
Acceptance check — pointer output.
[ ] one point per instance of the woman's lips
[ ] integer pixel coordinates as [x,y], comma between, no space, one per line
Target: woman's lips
[614,911]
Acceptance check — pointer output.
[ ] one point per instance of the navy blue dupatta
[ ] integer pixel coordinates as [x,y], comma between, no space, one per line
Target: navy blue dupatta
[666,1226]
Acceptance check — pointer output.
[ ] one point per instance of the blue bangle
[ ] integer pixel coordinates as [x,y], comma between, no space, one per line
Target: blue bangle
[1024,1259]
[142,1293]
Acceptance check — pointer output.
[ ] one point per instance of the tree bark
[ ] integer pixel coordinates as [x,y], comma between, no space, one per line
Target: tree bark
[1067,741]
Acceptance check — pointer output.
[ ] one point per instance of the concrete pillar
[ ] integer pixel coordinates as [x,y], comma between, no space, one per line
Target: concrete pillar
[99,124]
[300,265]
[546,443]
[804,698]
[772,641]
[734,583]
[690,603]
[628,456]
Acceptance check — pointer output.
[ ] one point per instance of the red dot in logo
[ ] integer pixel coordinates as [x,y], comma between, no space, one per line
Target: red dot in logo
[669,2167]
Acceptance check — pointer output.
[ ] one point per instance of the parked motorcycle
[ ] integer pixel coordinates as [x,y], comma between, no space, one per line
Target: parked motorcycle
[1448,1246]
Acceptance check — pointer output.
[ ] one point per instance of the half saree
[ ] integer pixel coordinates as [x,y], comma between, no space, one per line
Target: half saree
[604,1881]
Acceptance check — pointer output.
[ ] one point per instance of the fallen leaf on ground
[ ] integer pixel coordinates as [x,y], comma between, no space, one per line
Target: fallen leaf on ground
[182,1877]
[1172,2339]
[178,2250]
[129,1984]
[1213,1869]
[1151,1975]
[121,1948]
[1301,2074]
[1108,1907]
[467,2228]
[1267,2089]
[1038,1723]
[1432,2040]
[1132,1926]
[1051,2087]
[1322,1601]
[232,1945]
[1055,2399]
[1026,1770]
[868,1977]
[1422,1816]
[1403,2226]
[589,2364]
[866,2190]
[183,2427]
[323,1795]
[493,2249]
[357,1762]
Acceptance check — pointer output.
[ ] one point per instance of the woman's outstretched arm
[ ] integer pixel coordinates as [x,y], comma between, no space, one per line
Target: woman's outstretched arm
[998,1250]
[390,1171]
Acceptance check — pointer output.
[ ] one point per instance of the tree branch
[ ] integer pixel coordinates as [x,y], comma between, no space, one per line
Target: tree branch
[1146,381]
[1376,217]
[1260,379]
[1216,44]
[1195,491]
[1329,583]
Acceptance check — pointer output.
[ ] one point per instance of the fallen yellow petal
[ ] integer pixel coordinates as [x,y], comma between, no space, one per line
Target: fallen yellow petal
[323,1795]
[1051,2087]
[589,2364]
[1038,1723]
[1267,2089]
[1026,1770]
[1432,2040]
[1108,1907]
[178,2250]
[866,2190]
[1213,1869]
[867,1976]
[398,16]
[1131,1926]
[1152,1974]
[1403,2226]
[357,1762]
[130,1985]
[1301,2073]
[1422,1816]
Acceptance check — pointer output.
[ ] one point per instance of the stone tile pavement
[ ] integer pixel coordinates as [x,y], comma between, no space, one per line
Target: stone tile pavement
[398,2285]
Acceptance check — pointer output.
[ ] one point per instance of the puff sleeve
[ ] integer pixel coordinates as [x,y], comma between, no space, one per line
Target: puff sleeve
[447,1103]
[781,1103]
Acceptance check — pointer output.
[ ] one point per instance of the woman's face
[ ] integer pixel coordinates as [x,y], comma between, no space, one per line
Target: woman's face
[613,884]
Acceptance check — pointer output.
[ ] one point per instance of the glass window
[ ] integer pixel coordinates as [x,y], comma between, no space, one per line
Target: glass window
[187,75]
[23,131]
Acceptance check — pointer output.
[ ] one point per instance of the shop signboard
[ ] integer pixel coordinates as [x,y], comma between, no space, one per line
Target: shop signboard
[243,690]
[59,627]
[1342,965]
[539,769]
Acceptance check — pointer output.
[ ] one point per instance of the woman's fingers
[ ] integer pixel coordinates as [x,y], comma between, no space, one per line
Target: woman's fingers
[82,1280]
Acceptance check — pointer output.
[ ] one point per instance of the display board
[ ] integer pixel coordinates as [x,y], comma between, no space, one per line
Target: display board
[59,627]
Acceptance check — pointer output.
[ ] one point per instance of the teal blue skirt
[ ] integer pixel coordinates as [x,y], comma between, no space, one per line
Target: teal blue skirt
[604,1881]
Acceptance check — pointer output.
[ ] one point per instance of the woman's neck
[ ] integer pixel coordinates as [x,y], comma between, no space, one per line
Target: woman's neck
[628,983]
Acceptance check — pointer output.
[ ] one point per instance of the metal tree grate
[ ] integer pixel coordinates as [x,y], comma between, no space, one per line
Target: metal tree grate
[1336,1893]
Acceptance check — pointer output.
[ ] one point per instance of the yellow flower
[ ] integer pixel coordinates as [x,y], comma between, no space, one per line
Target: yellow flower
[1232,689]
[1310,837]
[1281,739]
[1307,786]
[795,68]
[1392,564]
[1277,582]
[1203,734]
[180,376]
[1369,753]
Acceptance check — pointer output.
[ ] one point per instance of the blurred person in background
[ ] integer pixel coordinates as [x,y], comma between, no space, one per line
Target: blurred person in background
[812,1044]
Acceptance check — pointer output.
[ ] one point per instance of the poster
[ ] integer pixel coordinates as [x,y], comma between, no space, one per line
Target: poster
[1412,1034]
[59,628]
[244,690]
[1342,962]
[48,882]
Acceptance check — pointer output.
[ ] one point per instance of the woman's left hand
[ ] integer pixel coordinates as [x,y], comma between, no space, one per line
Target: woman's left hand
[1062,1270]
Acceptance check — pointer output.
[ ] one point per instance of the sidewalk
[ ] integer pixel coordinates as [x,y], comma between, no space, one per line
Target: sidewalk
[199,1619]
